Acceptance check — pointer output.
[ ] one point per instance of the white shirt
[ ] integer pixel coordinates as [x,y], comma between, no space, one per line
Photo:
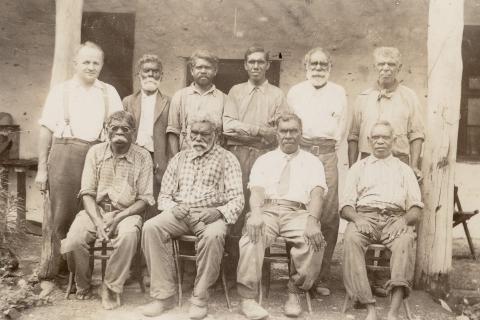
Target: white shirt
[86,109]
[145,127]
[306,173]
[323,111]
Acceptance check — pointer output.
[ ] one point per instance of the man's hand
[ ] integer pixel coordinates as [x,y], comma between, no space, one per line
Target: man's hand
[180,211]
[254,227]
[418,174]
[110,222]
[102,234]
[364,225]
[313,234]
[207,215]
[41,179]
[395,229]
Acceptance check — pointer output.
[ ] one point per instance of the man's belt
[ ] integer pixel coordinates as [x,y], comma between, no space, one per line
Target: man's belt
[106,205]
[385,212]
[318,145]
[287,203]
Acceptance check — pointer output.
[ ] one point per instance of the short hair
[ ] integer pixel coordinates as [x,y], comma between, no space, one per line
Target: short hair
[89,44]
[383,123]
[148,57]
[203,54]
[390,52]
[306,60]
[256,48]
[121,116]
[287,116]
[204,118]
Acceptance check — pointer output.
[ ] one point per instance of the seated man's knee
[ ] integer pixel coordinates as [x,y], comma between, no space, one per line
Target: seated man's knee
[214,233]
[351,235]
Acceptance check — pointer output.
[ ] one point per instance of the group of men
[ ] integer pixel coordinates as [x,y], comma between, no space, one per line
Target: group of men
[253,163]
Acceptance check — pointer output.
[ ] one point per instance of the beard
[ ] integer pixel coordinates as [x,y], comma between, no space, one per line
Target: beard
[316,79]
[150,84]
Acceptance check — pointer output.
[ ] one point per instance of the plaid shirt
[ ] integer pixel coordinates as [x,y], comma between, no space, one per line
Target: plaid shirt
[194,180]
[123,180]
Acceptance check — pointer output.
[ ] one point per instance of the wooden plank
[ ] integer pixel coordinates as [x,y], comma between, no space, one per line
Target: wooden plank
[434,245]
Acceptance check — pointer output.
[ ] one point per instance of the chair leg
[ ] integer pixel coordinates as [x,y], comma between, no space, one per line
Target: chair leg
[69,286]
[267,271]
[177,269]
[119,299]
[260,292]
[345,303]
[469,239]
[104,262]
[407,309]
[225,286]
[309,301]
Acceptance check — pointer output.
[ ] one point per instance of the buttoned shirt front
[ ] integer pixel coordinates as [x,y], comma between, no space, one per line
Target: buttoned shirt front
[194,180]
[243,115]
[323,111]
[306,173]
[400,107]
[86,109]
[145,126]
[123,179]
[382,184]
[188,102]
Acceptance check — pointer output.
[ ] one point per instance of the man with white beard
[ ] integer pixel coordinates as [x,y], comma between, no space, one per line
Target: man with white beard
[150,108]
[322,106]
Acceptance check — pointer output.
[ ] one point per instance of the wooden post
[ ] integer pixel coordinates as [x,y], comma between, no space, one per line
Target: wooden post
[434,244]
[3,203]
[68,25]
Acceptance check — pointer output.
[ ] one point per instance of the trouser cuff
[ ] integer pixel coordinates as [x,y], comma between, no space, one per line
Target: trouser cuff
[201,302]
[246,292]
[391,284]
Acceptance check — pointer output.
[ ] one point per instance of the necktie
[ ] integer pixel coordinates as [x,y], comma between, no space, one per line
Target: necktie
[284,183]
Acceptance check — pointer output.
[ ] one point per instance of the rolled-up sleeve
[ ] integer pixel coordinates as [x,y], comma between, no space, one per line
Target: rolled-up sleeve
[174,123]
[416,128]
[350,194]
[317,176]
[233,190]
[258,176]
[89,175]
[414,196]
[169,185]
[356,122]
[145,181]
[52,109]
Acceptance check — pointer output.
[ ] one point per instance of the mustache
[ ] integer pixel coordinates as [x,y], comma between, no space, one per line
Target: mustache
[119,138]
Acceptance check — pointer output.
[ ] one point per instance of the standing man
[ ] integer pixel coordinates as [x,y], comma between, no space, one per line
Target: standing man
[287,187]
[73,118]
[322,106]
[201,194]
[390,101]
[198,99]
[382,204]
[250,113]
[116,189]
[150,109]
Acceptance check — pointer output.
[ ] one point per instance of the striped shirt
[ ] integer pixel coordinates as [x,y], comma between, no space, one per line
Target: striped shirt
[194,180]
[123,179]
[381,183]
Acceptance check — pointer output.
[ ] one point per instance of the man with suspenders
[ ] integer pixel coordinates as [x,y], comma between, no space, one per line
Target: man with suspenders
[72,121]
[201,194]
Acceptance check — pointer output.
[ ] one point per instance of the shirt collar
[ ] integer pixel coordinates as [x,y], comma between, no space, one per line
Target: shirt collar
[373,159]
[152,96]
[386,93]
[128,156]
[76,83]
[193,155]
[194,90]
[310,85]
[288,156]
[262,87]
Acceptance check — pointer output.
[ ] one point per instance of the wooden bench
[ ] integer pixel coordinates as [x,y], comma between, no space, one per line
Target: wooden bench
[460,216]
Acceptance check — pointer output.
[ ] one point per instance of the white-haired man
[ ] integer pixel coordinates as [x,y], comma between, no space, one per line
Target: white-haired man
[150,108]
[201,194]
[322,106]
[72,120]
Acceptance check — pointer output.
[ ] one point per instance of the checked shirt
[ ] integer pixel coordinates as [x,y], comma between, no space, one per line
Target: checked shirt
[196,181]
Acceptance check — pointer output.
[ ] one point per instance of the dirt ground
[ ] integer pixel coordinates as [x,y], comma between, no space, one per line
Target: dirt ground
[422,305]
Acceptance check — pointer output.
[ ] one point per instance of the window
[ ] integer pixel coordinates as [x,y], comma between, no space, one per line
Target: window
[231,72]
[115,33]
[469,126]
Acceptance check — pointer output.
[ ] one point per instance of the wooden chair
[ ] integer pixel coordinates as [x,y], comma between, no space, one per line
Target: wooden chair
[101,250]
[180,256]
[277,257]
[375,262]
[462,217]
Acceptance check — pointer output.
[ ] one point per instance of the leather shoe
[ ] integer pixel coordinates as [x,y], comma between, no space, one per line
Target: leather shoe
[323,291]
[252,310]
[292,307]
[157,307]
[197,312]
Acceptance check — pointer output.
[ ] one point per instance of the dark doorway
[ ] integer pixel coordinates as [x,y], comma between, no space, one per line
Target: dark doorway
[231,72]
[115,33]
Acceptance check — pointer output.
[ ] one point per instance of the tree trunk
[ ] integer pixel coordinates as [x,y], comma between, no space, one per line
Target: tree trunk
[434,245]
[68,24]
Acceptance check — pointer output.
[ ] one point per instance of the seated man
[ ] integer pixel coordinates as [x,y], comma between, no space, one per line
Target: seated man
[116,187]
[202,194]
[382,203]
[283,183]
